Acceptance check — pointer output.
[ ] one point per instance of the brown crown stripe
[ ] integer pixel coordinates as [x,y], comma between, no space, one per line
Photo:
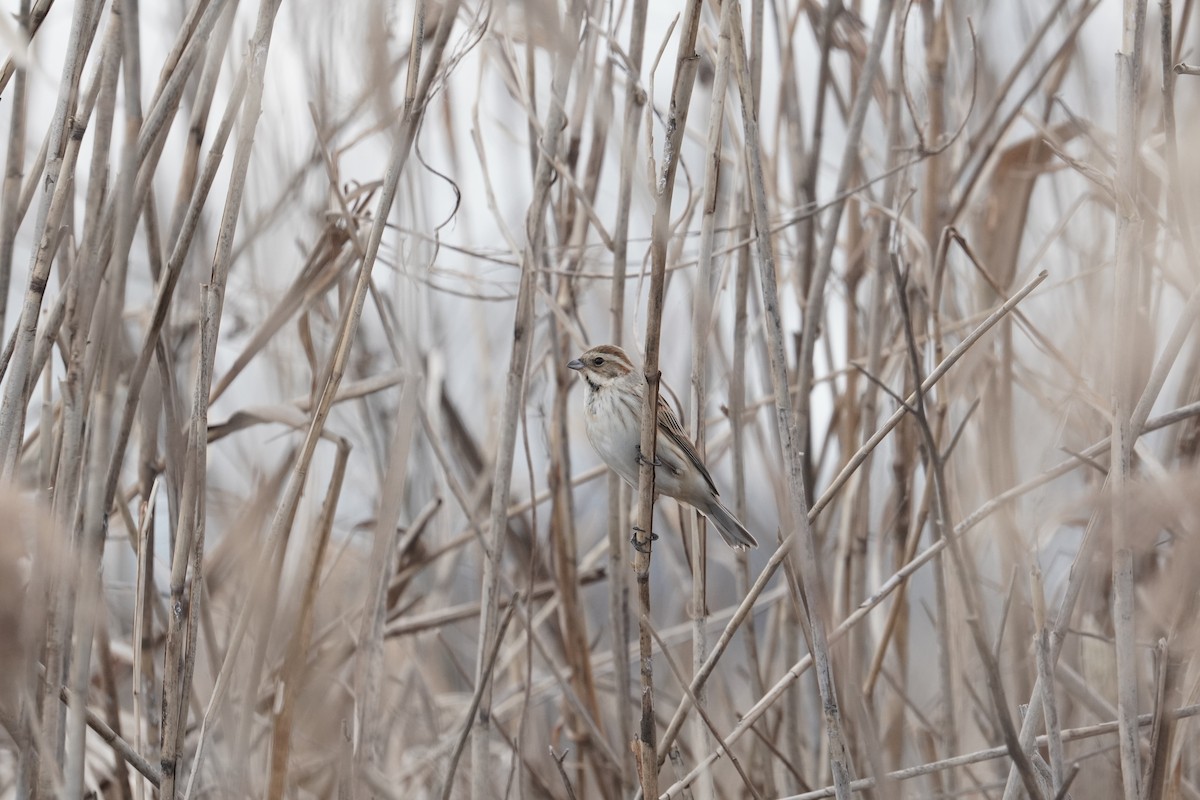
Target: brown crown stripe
[610,350]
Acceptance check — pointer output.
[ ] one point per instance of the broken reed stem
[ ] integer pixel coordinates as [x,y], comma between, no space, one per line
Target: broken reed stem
[120,746]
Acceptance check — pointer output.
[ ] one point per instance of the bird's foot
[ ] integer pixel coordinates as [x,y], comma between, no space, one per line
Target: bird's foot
[641,459]
[638,544]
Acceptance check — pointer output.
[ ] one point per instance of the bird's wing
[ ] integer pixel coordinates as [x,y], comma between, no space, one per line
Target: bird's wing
[668,426]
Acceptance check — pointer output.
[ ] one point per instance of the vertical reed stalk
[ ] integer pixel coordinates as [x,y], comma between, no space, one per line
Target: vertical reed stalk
[618,602]
[681,96]
[514,393]
[1126,280]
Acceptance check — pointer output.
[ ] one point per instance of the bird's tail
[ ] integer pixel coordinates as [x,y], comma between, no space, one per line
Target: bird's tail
[733,532]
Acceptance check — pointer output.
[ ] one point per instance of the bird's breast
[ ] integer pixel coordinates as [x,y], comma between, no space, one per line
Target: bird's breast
[613,430]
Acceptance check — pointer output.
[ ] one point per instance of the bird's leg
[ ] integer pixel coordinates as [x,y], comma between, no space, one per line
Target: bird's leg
[641,459]
[638,545]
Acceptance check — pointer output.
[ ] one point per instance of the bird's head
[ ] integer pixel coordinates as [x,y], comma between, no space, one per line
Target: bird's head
[603,365]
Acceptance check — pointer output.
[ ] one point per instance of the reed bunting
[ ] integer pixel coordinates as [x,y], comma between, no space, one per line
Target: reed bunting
[613,413]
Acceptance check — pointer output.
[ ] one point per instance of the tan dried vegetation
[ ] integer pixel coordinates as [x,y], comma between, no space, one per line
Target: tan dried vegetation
[296,500]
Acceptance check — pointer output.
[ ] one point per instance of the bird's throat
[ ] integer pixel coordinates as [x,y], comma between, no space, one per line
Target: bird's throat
[593,395]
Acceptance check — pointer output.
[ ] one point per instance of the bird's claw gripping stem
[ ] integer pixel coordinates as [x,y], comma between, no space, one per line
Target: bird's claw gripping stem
[641,459]
[641,547]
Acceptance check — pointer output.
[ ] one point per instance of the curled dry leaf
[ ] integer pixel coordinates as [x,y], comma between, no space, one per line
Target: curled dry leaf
[1005,199]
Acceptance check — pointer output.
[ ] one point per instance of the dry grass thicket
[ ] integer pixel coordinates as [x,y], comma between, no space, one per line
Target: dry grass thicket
[295,500]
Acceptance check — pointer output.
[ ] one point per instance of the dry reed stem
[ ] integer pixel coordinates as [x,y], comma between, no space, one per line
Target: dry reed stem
[1069,735]
[293,671]
[1124,389]
[74,470]
[125,22]
[737,382]
[514,391]
[1045,676]
[189,545]
[706,284]
[62,149]
[121,747]
[648,758]
[483,681]
[30,20]
[14,166]
[369,738]
[618,601]
[168,282]
[703,715]
[576,215]
[797,519]
[965,571]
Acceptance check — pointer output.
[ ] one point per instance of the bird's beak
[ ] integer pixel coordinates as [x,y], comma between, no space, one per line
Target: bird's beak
[575,364]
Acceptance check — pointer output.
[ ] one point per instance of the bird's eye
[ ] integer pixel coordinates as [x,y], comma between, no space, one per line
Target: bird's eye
[597,361]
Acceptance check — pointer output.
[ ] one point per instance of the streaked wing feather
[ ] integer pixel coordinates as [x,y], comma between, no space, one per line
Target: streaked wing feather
[668,425]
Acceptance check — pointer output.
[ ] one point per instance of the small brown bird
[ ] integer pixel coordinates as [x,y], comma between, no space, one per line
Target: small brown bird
[613,413]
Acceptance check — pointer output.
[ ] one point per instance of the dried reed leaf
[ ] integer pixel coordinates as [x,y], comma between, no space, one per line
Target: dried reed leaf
[1005,199]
